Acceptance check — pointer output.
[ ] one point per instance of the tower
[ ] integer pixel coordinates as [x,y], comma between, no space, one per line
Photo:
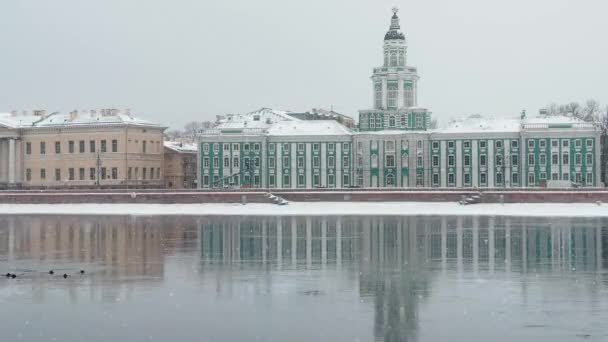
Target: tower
[395,88]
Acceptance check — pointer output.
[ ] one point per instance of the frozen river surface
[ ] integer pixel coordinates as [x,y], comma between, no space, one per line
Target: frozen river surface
[333,278]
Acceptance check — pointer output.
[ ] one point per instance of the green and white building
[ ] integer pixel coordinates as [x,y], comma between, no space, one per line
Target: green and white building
[394,145]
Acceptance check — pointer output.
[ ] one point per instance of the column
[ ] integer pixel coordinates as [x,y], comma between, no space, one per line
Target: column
[3,161]
[11,161]
[400,93]
[384,93]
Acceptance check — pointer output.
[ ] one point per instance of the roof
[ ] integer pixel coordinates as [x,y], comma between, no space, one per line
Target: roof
[315,127]
[115,117]
[180,147]
[262,118]
[476,124]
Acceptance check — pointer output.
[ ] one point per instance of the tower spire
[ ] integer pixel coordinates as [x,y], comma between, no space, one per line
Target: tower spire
[394,30]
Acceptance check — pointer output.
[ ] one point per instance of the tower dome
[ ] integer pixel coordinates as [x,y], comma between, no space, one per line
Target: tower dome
[394,32]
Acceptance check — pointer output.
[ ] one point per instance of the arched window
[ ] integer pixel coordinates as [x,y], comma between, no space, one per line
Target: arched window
[401,58]
[385,58]
[374,160]
[391,121]
[393,58]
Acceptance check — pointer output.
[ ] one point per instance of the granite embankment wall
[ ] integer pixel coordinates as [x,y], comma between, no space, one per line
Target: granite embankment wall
[258,196]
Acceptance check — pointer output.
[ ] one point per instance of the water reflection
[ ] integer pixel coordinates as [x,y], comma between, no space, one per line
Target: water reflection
[385,278]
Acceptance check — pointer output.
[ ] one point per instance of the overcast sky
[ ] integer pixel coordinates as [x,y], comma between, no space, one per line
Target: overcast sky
[174,61]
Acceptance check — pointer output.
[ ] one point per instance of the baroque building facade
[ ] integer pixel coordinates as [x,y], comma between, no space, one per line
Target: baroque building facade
[394,145]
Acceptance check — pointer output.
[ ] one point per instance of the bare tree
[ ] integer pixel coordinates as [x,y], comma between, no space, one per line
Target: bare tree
[591,112]
[603,122]
[433,124]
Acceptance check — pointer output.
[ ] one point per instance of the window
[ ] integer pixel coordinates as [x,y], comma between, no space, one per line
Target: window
[390,180]
[216,147]
[542,176]
[514,160]
[286,181]
[589,159]
[435,160]
[498,178]
[565,143]
[104,149]
[226,147]
[143,173]
[360,161]
[578,143]
[57,147]
[316,179]
[565,159]
[374,161]
[345,181]
[372,123]
[514,143]
[345,162]
[301,180]
[451,179]
[216,180]
[419,161]
[81,173]
[392,96]
[467,160]
[92,173]
[104,174]
[451,161]
[498,160]
[115,145]
[256,180]
[71,173]
[566,176]
[315,147]
[466,144]
[378,94]
[28,148]
[285,162]
[578,159]
[256,147]
[577,177]
[345,147]
[589,142]
[92,146]
[483,178]
[331,180]
[435,145]
[390,161]
[542,143]
[216,162]
[530,159]
[467,179]
[246,147]
[300,162]
[235,162]
[419,180]
[391,121]
[28,175]
[71,146]
[331,147]
[43,174]
[419,144]
[554,176]
[498,143]
[205,162]
[315,162]
[482,160]
[531,178]
[435,179]
[450,144]
[158,172]
[57,175]
[530,143]
[331,163]
[271,181]
[206,180]
[554,159]
[589,180]
[515,178]
[81,146]
[482,144]
[256,162]
[235,147]
[226,162]
[554,143]
[359,145]
[129,173]
[543,159]
[285,148]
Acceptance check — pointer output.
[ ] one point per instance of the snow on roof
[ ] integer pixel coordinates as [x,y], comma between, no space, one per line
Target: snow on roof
[476,124]
[554,119]
[314,127]
[181,147]
[71,119]
[262,118]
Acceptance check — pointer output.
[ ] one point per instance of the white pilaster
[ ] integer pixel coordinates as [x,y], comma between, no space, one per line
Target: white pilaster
[294,165]
[323,164]
[338,162]
[11,161]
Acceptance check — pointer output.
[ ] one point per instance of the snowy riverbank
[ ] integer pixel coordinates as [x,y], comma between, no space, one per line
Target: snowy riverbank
[317,208]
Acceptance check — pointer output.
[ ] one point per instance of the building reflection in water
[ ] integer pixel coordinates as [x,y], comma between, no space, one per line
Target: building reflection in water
[397,258]
[391,263]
